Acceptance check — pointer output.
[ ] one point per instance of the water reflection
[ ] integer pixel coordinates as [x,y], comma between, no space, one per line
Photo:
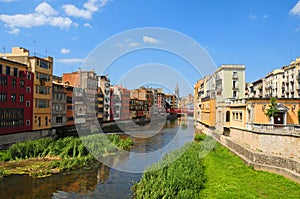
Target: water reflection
[98,181]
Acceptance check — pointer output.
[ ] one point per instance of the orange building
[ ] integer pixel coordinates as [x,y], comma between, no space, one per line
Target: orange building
[287,111]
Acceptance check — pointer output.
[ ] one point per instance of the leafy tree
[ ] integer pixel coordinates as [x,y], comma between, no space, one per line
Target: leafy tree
[272,110]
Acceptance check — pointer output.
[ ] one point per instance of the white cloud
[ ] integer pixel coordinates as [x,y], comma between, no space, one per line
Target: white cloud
[133,44]
[87,25]
[75,24]
[150,40]
[65,51]
[45,9]
[87,11]
[296,9]
[266,16]
[14,31]
[73,11]
[70,61]
[44,15]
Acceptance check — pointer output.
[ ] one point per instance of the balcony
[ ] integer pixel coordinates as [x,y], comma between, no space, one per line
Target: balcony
[288,129]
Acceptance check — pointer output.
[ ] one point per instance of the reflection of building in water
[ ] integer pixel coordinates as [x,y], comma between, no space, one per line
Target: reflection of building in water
[103,173]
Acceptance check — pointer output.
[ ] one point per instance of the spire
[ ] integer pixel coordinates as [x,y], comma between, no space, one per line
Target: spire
[177,91]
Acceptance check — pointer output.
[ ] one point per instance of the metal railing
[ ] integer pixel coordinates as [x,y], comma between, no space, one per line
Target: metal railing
[276,128]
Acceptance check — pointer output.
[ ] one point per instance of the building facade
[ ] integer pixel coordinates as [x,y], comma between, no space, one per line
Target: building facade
[59,103]
[42,90]
[16,97]
[103,91]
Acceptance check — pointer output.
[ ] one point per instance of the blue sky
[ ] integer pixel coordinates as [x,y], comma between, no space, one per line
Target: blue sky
[261,34]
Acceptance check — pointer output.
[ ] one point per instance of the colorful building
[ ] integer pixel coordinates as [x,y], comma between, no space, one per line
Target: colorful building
[42,90]
[16,97]
[103,99]
[84,85]
[59,102]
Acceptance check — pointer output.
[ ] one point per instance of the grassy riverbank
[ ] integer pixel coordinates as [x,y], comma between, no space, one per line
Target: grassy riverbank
[220,174]
[43,157]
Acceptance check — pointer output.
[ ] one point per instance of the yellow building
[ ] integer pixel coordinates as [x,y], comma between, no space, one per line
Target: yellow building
[208,112]
[287,114]
[172,101]
[42,96]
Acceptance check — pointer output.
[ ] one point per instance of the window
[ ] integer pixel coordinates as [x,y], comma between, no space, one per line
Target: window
[69,107]
[15,72]
[69,100]
[39,121]
[27,122]
[227,116]
[234,74]
[3,97]
[21,98]
[241,116]
[46,121]
[28,76]
[59,119]
[7,70]
[42,90]
[22,83]
[1,72]
[234,94]
[28,89]
[234,84]
[70,118]
[44,64]
[42,104]
[14,82]
[28,103]
[13,97]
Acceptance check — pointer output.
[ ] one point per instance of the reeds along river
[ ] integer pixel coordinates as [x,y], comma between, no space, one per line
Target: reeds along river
[100,181]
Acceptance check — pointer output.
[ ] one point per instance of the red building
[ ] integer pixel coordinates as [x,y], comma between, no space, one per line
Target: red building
[16,97]
[125,99]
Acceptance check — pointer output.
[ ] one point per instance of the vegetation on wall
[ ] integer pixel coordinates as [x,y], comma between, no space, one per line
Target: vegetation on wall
[299,116]
[272,110]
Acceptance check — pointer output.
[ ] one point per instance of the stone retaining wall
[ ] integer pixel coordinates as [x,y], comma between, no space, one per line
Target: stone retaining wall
[260,160]
[6,140]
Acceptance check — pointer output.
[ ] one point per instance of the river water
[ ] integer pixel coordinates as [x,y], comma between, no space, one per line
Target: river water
[100,181]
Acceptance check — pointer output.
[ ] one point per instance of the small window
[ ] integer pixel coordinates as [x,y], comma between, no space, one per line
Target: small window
[7,70]
[227,116]
[27,122]
[22,83]
[14,82]
[21,98]
[241,116]
[28,103]
[39,122]
[28,89]
[15,72]
[29,76]
[1,72]
[13,97]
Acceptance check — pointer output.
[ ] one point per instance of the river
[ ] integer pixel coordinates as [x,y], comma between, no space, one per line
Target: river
[101,181]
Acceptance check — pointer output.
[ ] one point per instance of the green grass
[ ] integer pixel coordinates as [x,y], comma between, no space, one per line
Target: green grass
[183,178]
[42,157]
[220,174]
[227,176]
[199,137]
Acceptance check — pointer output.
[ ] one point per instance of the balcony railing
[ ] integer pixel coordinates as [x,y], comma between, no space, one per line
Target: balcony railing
[275,128]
